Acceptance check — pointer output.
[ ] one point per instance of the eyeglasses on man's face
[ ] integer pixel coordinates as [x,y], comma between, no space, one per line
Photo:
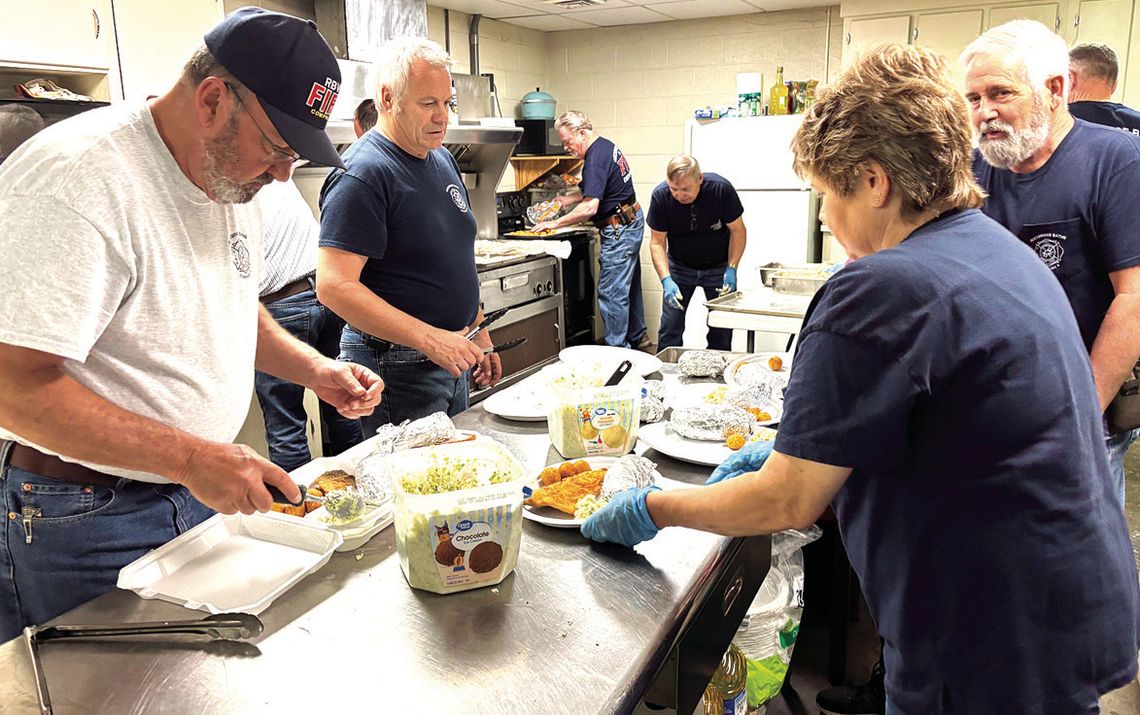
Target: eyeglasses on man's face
[275,154]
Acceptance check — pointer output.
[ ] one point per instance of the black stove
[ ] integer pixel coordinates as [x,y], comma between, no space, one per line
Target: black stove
[510,207]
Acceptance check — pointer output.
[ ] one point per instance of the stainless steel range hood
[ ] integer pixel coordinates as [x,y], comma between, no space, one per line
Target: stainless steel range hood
[482,154]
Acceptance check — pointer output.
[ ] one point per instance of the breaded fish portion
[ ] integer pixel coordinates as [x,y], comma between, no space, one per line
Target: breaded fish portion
[564,495]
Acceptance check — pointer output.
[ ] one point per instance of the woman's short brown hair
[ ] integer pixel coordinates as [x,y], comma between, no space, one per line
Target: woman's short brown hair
[896,105]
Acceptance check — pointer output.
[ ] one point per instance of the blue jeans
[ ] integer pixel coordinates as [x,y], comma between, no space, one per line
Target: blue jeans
[1117,445]
[282,402]
[414,386]
[619,284]
[84,536]
[673,319]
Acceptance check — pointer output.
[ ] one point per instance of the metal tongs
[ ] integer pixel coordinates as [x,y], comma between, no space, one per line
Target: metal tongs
[487,320]
[220,626]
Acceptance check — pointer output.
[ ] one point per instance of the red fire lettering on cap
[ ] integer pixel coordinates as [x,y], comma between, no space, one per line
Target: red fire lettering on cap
[330,100]
[316,95]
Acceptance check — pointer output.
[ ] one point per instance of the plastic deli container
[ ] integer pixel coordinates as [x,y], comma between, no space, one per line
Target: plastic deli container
[585,419]
[462,539]
[356,533]
[233,562]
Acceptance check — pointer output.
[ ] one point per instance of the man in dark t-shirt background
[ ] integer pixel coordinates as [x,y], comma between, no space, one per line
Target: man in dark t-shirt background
[697,234]
[397,246]
[608,200]
[1093,69]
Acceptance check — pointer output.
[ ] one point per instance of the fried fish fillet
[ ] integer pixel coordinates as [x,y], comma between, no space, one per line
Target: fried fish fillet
[564,495]
[331,481]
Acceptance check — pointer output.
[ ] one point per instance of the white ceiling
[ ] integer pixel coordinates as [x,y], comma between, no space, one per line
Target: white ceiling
[540,15]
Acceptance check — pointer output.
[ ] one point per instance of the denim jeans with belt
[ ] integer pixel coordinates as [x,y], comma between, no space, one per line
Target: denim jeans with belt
[673,319]
[71,550]
[1117,445]
[619,283]
[282,402]
[414,386]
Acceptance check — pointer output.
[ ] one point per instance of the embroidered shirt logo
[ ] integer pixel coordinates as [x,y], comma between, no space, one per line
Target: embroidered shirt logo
[1049,248]
[240,249]
[322,97]
[456,195]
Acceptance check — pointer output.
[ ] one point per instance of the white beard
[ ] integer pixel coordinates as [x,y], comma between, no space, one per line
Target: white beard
[1017,145]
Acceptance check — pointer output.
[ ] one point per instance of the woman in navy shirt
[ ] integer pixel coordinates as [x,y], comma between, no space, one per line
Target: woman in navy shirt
[942,402]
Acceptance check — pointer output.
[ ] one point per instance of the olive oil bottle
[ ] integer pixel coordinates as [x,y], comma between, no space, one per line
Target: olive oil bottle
[778,95]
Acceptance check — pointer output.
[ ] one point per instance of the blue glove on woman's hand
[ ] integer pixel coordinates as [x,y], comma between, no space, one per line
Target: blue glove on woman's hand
[625,520]
[748,458]
[729,280]
[672,292]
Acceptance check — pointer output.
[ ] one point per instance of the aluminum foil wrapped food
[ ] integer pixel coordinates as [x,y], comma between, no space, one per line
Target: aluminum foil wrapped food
[629,472]
[711,422]
[701,363]
[652,409]
[758,395]
[759,374]
[654,389]
[436,428]
[374,480]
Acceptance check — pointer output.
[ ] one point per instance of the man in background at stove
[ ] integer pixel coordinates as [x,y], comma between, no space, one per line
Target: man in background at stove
[608,199]
[288,292]
[397,247]
[1066,188]
[1092,71]
[696,225]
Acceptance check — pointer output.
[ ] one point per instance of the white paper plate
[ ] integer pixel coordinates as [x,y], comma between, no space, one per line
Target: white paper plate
[643,363]
[661,437]
[524,402]
[694,393]
[758,361]
[551,516]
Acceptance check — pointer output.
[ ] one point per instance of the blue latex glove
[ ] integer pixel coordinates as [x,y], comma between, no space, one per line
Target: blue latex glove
[748,458]
[672,292]
[729,280]
[625,520]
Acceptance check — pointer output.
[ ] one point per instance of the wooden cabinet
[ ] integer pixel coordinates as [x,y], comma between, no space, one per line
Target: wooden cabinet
[156,38]
[1048,14]
[61,33]
[529,169]
[1110,22]
[948,33]
[860,34]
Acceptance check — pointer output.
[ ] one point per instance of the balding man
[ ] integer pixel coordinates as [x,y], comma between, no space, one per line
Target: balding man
[1092,71]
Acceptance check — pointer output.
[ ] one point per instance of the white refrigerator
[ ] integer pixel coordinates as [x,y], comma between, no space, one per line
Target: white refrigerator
[781,212]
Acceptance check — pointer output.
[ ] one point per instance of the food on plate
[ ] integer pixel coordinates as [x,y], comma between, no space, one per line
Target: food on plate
[581,466]
[343,506]
[291,510]
[530,234]
[629,472]
[716,396]
[548,476]
[759,414]
[567,469]
[564,495]
[759,395]
[766,434]
[436,428]
[652,409]
[614,436]
[654,389]
[486,556]
[701,363]
[588,505]
[734,442]
[331,481]
[711,422]
[776,362]
[450,473]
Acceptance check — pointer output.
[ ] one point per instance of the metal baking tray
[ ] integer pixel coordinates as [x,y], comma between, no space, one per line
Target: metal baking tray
[672,355]
[232,562]
[742,302]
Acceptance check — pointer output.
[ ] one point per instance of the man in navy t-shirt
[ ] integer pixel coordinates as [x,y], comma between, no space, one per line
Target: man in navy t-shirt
[1093,69]
[397,256]
[1067,189]
[696,225]
[609,201]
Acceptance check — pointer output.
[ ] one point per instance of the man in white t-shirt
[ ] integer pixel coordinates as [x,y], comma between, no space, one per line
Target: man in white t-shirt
[129,265]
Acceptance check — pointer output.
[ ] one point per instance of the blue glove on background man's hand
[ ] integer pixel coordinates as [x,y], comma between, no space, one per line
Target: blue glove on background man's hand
[672,292]
[729,280]
[625,520]
[748,458]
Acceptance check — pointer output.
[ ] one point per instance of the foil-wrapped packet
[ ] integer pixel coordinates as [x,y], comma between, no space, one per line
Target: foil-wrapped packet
[750,374]
[711,422]
[701,363]
[373,479]
[629,472]
[654,389]
[758,395]
[652,409]
[436,428]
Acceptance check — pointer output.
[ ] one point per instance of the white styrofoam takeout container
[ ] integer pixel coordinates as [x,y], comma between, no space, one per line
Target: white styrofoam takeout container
[357,532]
[232,562]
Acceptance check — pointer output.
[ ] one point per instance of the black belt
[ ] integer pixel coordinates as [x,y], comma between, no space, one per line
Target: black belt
[36,462]
[378,344]
[615,219]
[301,284]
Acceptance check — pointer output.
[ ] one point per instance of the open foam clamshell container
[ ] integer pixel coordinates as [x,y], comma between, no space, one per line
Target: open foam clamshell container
[356,532]
[467,538]
[232,562]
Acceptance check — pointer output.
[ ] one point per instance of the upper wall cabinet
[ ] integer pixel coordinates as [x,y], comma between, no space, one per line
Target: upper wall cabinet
[156,39]
[948,33]
[1048,14]
[61,33]
[860,34]
[1107,21]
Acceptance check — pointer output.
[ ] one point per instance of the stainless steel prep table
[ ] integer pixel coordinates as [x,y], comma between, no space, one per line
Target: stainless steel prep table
[577,628]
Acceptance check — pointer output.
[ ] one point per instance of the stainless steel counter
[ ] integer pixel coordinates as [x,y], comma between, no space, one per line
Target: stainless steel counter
[577,628]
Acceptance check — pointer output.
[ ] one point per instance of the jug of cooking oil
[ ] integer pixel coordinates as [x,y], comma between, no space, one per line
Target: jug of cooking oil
[729,680]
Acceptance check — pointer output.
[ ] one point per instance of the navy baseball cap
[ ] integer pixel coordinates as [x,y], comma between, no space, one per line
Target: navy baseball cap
[289,67]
